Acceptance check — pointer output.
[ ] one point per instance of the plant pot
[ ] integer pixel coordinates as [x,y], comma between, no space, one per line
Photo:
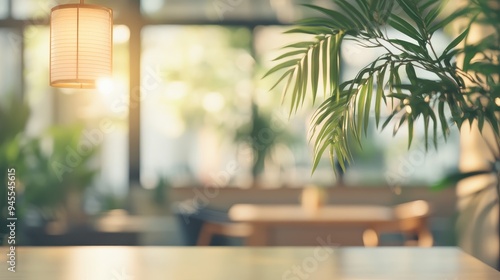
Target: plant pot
[74,215]
[312,199]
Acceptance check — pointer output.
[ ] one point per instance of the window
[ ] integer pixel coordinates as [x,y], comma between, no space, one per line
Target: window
[108,103]
[204,106]
[10,69]
[31,9]
[220,10]
[196,84]
[4,8]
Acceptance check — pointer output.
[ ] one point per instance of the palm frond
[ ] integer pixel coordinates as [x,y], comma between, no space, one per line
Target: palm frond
[396,77]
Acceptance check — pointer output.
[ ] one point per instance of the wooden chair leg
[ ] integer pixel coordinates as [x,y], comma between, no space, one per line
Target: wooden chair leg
[425,238]
[208,230]
[370,238]
[205,236]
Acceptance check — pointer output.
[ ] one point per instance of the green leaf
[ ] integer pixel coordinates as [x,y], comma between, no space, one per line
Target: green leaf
[340,156]
[492,119]
[400,96]
[404,27]
[334,65]
[315,63]
[281,78]
[453,179]
[329,128]
[287,85]
[410,129]
[398,125]
[442,118]
[435,124]
[326,60]
[426,129]
[288,54]
[368,103]
[305,78]
[480,121]
[411,10]
[281,66]
[382,11]
[363,5]
[427,4]
[410,71]
[354,14]
[450,18]
[380,95]
[484,68]
[337,17]
[397,80]
[319,22]
[300,45]
[410,47]
[432,15]
[318,153]
[314,30]
[297,89]
[469,54]
[362,91]
[457,40]
[294,90]
[388,120]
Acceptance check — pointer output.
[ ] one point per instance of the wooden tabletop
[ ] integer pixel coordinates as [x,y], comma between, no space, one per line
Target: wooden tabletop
[230,263]
[265,218]
[296,214]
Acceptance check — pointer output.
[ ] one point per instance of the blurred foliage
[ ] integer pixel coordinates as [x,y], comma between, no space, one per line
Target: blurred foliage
[47,167]
[54,171]
[13,118]
[161,192]
[208,62]
[262,137]
[453,179]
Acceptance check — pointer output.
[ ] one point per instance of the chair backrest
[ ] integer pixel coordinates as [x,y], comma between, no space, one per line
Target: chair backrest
[191,218]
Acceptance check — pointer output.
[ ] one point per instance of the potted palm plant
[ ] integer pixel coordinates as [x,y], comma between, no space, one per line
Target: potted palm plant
[454,87]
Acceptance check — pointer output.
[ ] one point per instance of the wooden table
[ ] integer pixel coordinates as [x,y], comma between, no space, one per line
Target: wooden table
[243,263]
[264,218]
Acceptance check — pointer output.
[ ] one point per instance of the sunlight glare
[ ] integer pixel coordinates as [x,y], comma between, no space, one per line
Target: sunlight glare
[213,102]
[105,85]
[121,34]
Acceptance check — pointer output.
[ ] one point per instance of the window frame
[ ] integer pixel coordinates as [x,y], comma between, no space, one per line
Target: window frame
[135,20]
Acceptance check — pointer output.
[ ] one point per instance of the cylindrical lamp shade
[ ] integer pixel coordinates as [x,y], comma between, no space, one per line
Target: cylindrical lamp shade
[81,45]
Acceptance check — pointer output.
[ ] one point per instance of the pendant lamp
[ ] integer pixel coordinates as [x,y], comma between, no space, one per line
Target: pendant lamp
[81,45]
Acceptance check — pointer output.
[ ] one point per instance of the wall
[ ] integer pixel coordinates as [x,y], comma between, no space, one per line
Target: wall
[477,222]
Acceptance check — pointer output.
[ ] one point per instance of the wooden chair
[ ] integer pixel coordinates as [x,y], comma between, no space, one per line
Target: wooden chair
[410,219]
[200,224]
